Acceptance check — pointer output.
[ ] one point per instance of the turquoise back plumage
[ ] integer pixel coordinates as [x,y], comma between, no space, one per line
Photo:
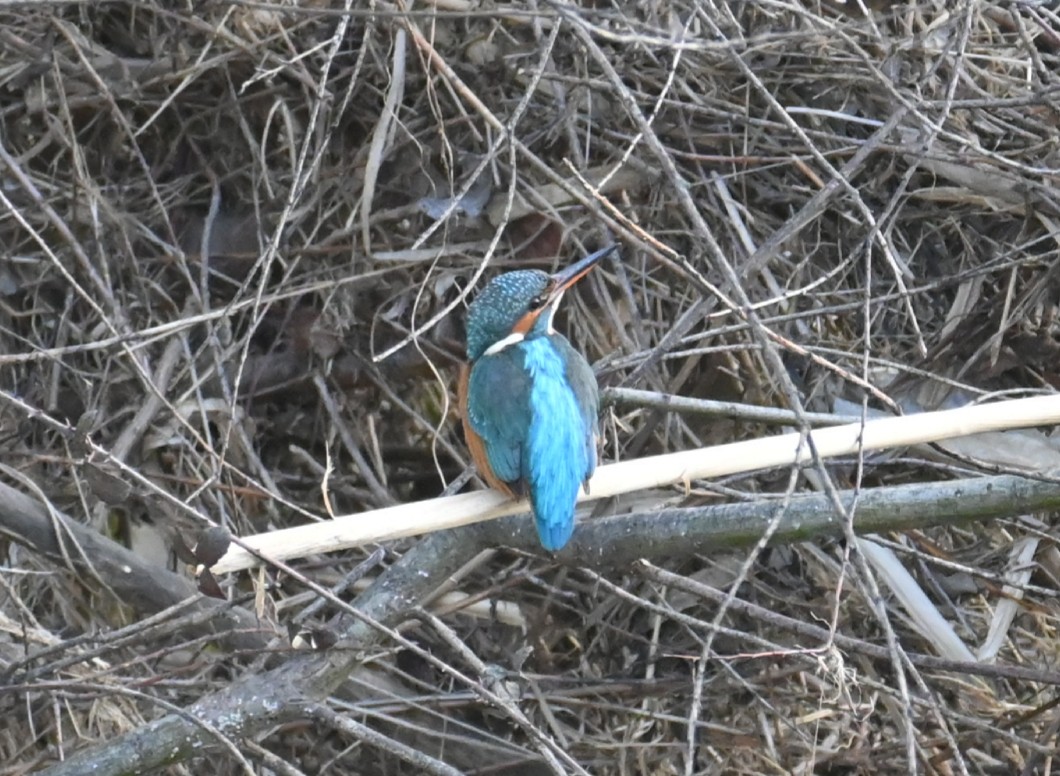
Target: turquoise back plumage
[533,403]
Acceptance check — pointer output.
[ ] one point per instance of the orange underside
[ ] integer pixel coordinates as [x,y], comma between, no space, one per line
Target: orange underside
[474,441]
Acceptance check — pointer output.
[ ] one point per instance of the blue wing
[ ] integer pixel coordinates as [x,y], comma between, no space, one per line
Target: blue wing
[586,393]
[498,409]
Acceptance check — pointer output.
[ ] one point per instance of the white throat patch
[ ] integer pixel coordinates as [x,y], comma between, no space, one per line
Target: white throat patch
[512,339]
[551,312]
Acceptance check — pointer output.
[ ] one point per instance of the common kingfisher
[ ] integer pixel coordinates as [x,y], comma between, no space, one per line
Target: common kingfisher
[528,399]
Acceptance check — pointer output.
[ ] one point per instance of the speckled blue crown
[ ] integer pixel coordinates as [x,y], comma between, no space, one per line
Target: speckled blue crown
[495,311]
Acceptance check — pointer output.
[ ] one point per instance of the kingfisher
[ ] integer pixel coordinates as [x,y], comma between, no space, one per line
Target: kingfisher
[528,399]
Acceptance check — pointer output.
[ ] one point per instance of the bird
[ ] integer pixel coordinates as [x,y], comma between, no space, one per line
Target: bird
[528,399]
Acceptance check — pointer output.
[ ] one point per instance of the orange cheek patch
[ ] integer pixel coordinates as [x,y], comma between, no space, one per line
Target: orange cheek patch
[524,324]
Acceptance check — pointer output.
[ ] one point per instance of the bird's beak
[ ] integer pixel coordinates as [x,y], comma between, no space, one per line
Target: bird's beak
[561,281]
[557,286]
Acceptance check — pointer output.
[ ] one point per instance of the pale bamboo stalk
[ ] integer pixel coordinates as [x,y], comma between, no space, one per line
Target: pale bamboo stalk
[658,471]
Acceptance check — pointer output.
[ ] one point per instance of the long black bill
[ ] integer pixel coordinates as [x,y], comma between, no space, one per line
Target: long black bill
[564,279]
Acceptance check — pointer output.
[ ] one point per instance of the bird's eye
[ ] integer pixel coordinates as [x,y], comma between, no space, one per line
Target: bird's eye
[538,302]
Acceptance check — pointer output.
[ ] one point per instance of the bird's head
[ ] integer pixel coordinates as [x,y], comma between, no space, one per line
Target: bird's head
[519,305]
